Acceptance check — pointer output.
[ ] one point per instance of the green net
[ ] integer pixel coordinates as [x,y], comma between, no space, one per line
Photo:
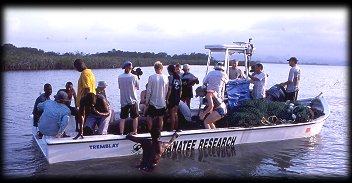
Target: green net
[260,112]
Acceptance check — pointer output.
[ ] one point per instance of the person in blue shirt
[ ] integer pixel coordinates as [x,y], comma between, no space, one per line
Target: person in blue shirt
[55,117]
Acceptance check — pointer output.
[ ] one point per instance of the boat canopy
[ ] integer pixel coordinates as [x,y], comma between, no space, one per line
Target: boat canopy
[245,48]
[235,48]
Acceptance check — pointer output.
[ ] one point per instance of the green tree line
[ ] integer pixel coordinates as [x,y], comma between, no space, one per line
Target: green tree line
[26,58]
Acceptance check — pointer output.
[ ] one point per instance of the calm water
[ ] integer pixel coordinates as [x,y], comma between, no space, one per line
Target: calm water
[323,156]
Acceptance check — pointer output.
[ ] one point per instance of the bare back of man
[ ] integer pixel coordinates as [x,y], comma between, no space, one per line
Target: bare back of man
[152,148]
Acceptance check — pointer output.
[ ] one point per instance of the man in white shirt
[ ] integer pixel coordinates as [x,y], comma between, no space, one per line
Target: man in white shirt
[259,80]
[293,80]
[128,85]
[216,80]
[156,96]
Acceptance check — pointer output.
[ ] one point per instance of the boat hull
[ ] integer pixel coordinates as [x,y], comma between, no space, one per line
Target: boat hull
[105,146]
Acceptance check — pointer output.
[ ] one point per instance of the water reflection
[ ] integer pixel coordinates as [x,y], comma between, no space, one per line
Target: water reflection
[326,156]
[201,154]
[247,160]
[268,159]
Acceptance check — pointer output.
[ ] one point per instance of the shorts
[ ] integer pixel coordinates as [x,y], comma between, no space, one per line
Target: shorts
[173,104]
[152,111]
[73,110]
[292,96]
[221,111]
[131,109]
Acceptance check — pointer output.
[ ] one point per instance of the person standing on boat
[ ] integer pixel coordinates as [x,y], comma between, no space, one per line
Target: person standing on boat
[54,119]
[152,148]
[156,96]
[178,69]
[173,96]
[86,81]
[235,72]
[42,97]
[292,83]
[259,80]
[86,84]
[188,81]
[94,110]
[128,85]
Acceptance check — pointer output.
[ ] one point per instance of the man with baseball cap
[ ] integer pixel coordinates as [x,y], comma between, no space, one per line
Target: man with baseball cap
[128,85]
[292,83]
[188,81]
[54,119]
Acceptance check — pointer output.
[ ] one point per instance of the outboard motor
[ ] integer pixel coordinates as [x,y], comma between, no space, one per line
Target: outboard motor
[276,93]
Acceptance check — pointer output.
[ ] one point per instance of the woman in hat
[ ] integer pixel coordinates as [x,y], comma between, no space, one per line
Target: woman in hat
[101,88]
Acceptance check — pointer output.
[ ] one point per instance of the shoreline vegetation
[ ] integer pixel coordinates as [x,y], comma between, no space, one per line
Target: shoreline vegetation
[26,58]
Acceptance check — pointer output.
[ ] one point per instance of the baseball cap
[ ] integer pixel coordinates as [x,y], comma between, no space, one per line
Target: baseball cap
[185,66]
[61,95]
[219,65]
[293,59]
[102,84]
[127,64]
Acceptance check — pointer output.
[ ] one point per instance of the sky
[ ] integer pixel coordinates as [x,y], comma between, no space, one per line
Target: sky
[312,34]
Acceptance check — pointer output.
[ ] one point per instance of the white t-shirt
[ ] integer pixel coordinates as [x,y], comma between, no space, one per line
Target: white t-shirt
[157,90]
[294,76]
[128,85]
[259,86]
[216,80]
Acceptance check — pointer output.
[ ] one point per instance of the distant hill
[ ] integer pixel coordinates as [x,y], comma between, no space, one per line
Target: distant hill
[302,61]
[26,58]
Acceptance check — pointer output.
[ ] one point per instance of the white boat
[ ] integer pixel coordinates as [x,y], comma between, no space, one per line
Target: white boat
[105,146]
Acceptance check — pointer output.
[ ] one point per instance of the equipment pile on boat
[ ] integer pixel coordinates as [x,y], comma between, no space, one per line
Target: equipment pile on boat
[259,112]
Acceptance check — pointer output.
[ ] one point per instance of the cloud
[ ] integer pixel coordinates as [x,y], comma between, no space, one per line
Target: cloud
[282,31]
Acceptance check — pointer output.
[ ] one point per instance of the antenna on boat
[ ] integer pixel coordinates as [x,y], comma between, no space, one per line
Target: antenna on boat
[249,52]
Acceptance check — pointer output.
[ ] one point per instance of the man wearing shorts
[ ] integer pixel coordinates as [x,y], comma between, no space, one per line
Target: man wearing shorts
[128,85]
[156,96]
